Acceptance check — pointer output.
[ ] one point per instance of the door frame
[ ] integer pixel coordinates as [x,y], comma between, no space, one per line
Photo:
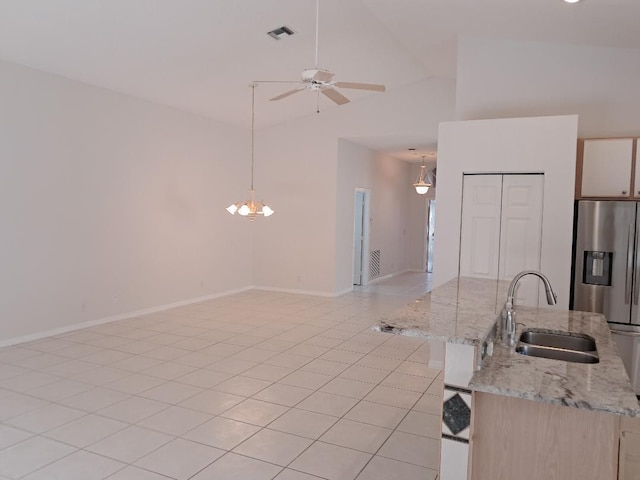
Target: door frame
[430,208]
[366,231]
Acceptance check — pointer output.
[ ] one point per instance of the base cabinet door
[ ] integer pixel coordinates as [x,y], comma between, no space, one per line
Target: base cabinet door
[516,439]
[629,463]
[629,456]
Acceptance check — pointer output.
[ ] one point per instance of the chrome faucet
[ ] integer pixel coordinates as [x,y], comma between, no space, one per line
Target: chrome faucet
[508,315]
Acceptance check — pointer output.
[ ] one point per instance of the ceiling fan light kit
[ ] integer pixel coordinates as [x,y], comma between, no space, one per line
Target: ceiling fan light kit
[251,208]
[321,80]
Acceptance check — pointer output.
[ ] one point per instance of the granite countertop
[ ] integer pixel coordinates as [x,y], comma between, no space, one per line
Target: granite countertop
[602,386]
[465,310]
[462,310]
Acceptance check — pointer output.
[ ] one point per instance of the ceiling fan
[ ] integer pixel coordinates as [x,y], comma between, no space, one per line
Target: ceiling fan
[321,80]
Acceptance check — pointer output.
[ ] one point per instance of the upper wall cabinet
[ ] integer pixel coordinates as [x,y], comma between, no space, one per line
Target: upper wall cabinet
[607,166]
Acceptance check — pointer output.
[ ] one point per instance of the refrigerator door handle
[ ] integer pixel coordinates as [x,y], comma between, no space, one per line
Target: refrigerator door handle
[628,278]
[636,268]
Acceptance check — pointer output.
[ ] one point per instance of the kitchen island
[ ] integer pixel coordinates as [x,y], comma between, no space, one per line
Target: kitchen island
[493,393]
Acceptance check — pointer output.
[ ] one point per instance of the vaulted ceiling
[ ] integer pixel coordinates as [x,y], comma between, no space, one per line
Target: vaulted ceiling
[200,55]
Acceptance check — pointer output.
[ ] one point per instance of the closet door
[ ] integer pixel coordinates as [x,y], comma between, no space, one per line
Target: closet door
[521,233]
[480,229]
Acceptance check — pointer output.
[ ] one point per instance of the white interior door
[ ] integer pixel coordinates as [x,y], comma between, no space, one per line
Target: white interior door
[480,229]
[521,233]
[501,231]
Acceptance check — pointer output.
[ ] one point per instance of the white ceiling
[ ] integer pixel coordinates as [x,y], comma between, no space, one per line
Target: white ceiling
[200,55]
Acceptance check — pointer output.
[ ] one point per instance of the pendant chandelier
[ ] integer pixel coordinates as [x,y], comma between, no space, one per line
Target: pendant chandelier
[424,179]
[251,208]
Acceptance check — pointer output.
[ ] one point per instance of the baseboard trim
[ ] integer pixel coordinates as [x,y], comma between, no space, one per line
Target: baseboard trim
[114,318]
[343,292]
[296,291]
[387,277]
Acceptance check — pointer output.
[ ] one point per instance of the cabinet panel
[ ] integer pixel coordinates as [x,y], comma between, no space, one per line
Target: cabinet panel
[629,468]
[606,167]
[526,440]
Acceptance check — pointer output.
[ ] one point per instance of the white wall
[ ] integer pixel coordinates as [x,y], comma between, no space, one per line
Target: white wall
[297,170]
[500,78]
[111,204]
[392,211]
[541,144]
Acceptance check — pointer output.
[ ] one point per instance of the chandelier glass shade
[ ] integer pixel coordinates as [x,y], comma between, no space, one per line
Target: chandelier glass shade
[251,208]
[424,180]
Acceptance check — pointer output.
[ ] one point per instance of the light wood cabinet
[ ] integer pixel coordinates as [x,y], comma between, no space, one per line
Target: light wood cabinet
[607,166]
[521,439]
[629,467]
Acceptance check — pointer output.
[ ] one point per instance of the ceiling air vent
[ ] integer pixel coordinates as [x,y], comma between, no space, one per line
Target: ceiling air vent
[281,32]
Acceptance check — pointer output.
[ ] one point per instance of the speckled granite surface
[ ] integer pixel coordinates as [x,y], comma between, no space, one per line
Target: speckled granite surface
[461,311]
[601,387]
[464,310]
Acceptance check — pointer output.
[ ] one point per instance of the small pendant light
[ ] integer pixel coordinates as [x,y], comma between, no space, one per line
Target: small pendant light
[424,179]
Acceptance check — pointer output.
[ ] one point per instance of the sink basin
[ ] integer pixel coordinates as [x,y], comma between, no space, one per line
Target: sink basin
[576,348]
[581,343]
[557,353]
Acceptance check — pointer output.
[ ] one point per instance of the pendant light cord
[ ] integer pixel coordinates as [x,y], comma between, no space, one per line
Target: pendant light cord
[253,116]
[317,29]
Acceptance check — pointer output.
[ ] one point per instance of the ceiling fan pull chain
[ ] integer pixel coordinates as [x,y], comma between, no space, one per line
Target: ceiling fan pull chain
[318,102]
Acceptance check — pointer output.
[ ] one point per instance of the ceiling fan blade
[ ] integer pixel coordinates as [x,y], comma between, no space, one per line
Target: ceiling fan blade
[336,96]
[286,94]
[361,86]
[278,81]
[323,76]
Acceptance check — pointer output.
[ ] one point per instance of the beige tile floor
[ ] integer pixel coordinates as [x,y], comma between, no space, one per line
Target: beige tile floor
[258,385]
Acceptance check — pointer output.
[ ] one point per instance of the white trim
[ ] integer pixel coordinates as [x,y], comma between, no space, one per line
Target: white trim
[366,234]
[315,293]
[343,292]
[114,318]
[391,275]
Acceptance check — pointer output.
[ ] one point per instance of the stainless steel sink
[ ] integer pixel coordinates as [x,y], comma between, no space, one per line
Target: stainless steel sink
[557,353]
[545,338]
[568,347]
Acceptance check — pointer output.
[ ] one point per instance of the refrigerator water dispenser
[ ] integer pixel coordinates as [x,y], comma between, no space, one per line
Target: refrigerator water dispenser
[597,268]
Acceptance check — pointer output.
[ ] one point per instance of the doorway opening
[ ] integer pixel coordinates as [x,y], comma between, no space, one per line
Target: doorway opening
[361,237]
[430,233]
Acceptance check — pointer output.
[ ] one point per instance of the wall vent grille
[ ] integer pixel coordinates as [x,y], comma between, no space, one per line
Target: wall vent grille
[374,264]
[281,32]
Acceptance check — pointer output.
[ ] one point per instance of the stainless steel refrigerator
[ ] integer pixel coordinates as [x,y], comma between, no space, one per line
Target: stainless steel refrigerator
[607,272]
